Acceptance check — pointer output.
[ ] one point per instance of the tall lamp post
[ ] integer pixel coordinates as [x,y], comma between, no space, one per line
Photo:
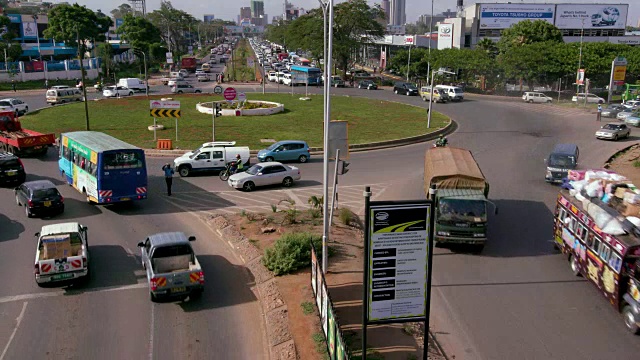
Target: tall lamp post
[326,83]
[433,73]
[409,60]
[84,87]
[430,34]
[144,58]
[580,60]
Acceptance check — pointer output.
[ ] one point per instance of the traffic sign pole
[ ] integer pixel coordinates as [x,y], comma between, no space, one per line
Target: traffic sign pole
[213,121]
[155,125]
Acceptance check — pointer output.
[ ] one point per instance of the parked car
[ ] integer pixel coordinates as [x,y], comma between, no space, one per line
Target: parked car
[623,115]
[367,84]
[438,95]
[116,91]
[536,97]
[286,150]
[403,88]
[11,169]
[268,173]
[62,253]
[591,98]
[336,81]
[633,120]
[19,106]
[613,132]
[612,110]
[181,88]
[39,197]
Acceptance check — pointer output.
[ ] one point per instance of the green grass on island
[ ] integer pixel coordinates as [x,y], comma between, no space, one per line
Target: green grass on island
[128,118]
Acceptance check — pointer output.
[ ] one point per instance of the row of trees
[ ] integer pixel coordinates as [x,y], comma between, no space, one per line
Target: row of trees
[531,51]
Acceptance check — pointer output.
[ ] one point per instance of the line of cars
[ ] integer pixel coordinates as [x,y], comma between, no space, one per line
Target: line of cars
[216,156]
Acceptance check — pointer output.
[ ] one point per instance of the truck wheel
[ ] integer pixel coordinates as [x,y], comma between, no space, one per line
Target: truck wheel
[184,171]
[152,297]
[629,320]
[575,269]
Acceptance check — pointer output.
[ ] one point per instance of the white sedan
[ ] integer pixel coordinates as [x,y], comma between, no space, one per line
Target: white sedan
[116,91]
[267,173]
[19,106]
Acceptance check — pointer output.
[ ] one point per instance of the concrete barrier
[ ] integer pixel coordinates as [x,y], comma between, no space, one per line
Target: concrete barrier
[243,112]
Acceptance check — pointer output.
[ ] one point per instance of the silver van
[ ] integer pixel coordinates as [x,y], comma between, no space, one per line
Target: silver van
[536,97]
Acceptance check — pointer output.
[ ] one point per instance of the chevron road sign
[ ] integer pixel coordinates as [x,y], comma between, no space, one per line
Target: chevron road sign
[165,113]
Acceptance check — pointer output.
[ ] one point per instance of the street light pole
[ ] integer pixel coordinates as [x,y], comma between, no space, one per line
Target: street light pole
[580,59]
[430,33]
[327,117]
[409,62]
[84,87]
[146,84]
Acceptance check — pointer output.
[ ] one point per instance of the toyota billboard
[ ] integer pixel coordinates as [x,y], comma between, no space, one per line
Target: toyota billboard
[591,16]
[502,16]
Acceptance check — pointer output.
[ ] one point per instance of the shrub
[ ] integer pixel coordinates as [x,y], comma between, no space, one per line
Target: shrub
[291,252]
[291,216]
[315,213]
[346,216]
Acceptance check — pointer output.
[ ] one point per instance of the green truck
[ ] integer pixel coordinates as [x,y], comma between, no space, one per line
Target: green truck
[461,192]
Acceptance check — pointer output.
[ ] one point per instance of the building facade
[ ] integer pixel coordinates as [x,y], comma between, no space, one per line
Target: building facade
[245,13]
[386,7]
[257,8]
[397,15]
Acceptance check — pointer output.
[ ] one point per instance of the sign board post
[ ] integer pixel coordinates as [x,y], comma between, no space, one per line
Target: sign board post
[163,109]
[397,271]
[618,73]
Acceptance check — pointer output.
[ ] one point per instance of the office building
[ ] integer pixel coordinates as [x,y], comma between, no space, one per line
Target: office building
[397,15]
[257,8]
[245,13]
[386,9]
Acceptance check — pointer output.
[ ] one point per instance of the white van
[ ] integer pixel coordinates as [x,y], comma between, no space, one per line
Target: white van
[61,96]
[536,97]
[211,156]
[176,75]
[455,93]
[132,83]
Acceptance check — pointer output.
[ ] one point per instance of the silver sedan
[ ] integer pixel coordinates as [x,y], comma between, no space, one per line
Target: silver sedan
[613,132]
[267,173]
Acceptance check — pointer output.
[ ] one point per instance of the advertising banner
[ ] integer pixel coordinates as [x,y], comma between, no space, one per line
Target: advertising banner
[340,353]
[319,295]
[445,36]
[157,104]
[314,273]
[580,77]
[397,260]
[591,16]
[325,300]
[502,16]
[29,29]
[409,40]
[331,335]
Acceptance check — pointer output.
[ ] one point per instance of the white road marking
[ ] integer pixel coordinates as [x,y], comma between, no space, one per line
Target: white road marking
[15,329]
[152,326]
[295,198]
[8,299]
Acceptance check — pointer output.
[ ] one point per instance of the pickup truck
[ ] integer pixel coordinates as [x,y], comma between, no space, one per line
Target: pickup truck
[62,253]
[172,267]
[213,156]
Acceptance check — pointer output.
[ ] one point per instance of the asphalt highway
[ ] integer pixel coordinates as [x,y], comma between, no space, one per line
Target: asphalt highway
[517,299]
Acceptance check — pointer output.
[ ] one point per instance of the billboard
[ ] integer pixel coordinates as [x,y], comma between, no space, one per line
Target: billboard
[591,16]
[29,30]
[208,18]
[502,16]
[445,36]
[234,30]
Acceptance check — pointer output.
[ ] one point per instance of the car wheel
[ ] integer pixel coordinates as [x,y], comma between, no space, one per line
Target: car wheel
[179,91]
[303,158]
[575,270]
[184,171]
[198,91]
[248,186]
[615,138]
[26,110]
[287,182]
[130,93]
[630,320]
[600,102]
[530,101]
[268,159]
[17,113]
[18,201]
[27,212]
[548,101]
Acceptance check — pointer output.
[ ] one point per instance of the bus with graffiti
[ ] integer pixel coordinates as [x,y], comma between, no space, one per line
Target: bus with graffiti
[609,262]
[105,169]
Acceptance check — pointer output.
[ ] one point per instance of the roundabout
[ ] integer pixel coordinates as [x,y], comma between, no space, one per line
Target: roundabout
[248,108]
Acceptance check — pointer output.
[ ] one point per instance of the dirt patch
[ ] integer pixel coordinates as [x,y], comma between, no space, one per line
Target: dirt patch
[627,163]
[400,341]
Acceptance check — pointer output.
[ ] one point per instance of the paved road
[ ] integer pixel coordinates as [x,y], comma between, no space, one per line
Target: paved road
[516,299]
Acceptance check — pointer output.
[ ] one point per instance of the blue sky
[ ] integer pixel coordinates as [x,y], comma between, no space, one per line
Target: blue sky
[228,10]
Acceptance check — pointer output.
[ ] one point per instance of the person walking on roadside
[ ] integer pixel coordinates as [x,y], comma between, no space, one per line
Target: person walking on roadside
[168,177]
[13,85]
[599,116]
[46,83]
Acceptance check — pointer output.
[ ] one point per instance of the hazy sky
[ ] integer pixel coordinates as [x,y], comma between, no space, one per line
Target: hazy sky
[228,10]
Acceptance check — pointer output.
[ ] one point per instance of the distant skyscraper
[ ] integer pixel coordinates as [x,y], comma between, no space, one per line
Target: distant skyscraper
[208,18]
[257,8]
[386,9]
[245,13]
[397,15]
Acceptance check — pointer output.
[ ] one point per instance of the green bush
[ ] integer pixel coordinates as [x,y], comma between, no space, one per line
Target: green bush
[291,252]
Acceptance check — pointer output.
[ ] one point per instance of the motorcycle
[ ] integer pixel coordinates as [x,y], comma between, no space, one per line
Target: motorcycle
[440,143]
[224,174]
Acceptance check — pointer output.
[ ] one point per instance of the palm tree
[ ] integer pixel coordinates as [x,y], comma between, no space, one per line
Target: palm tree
[487,45]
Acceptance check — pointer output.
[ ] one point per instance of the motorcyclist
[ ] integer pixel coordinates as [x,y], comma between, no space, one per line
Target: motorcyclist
[442,141]
[236,165]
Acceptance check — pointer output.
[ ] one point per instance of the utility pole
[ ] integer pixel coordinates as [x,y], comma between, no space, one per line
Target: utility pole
[580,59]
[430,33]
[84,86]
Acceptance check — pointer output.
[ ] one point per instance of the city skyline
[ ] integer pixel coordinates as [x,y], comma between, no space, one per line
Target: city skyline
[229,10]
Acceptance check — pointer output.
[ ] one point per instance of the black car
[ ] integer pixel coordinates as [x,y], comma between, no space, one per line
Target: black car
[367,84]
[39,198]
[11,169]
[612,110]
[404,88]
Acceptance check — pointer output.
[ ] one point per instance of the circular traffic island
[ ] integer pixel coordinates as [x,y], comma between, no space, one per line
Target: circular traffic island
[245,108]
[128,119]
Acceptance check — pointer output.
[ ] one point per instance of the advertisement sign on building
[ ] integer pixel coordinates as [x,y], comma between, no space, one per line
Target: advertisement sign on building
[580,77]
[590,16]
[445,36]
[397,260]
[396,29]
[502,16]
[15,18]
[208,18]
[29,29]
[409,40]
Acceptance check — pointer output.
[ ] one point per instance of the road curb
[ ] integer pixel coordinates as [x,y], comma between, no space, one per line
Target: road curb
[450,128]
[607,164]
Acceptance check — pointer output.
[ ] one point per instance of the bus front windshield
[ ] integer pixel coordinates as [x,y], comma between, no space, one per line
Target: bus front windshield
[462,210]
[123,159]
[562,161]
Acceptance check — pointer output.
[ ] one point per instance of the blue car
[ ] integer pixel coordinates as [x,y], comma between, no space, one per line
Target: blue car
[287,150]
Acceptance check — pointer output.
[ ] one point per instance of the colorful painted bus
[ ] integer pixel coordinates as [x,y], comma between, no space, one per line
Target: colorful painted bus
[105,169]
[611,263]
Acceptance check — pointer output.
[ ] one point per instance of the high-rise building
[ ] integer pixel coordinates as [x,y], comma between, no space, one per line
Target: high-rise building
[245,12]
[397,15]
[426,18]
[208,18]
[292,12]
[386,9]
[257,8]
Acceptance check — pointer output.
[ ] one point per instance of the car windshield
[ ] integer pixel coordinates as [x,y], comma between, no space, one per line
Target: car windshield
[457,91]
[562,160]
[273,146]
[611,127]
[254,170]
[45,193]
[412,87]
[9,163]
[462,209]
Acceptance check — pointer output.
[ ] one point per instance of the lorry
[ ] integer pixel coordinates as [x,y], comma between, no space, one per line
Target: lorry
[211,156]
[171,265]
[62,253]
[189,63]
[461,191]
[15,139]
[133,84]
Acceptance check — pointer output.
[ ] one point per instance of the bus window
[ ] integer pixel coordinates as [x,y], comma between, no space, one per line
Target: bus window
[615,262]
[590,238]
[581,232]
[122,160]
[596,246]
[605,251]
